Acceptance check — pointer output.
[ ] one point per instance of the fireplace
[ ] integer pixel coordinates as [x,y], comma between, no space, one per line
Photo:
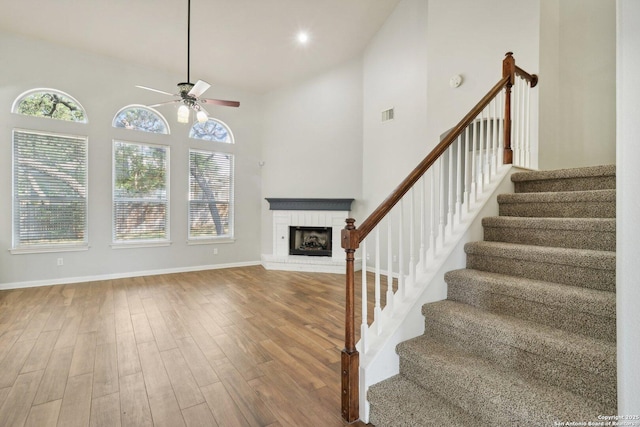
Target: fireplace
[311,241]
[323,220]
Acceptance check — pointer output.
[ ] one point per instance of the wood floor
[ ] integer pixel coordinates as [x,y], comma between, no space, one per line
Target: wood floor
[234,347]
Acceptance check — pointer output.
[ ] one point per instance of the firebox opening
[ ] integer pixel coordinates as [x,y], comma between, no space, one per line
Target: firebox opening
[312,241]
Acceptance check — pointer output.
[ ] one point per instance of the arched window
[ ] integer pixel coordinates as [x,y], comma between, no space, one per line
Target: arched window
[212,130]
[139,117]
[50,103]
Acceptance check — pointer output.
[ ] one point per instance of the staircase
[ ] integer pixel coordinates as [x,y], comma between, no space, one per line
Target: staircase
[527,335]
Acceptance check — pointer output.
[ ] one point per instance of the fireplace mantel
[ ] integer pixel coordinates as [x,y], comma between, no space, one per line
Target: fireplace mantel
[297,204]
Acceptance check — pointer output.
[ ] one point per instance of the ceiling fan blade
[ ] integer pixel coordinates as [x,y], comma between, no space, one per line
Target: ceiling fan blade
[165,103]
[220,102]
[156,90]
[199,88]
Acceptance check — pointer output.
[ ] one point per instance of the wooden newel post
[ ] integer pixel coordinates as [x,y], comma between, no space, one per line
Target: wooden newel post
[508,70]
[350,356]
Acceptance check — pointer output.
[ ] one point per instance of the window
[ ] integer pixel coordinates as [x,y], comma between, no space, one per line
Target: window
[49,189]
[139,117]
[140,192]
[211,130]
[210,194]
[49,103]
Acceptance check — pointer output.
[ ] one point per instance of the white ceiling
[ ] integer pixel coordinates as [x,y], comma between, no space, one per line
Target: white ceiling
[248,44]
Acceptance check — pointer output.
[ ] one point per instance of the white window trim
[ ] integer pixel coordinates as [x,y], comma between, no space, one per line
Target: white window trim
[210,240]
[127,107]
[24,94]
[140,243]
[47,248]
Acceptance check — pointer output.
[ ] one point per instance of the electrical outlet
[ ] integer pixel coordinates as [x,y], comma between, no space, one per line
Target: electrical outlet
[215,251]
[395,258]
[368,257]
[60,262]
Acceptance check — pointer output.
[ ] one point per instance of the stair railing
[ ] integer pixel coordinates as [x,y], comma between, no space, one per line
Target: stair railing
[446,184]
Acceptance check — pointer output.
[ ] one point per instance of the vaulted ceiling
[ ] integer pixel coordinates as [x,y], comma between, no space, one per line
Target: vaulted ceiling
[248,44]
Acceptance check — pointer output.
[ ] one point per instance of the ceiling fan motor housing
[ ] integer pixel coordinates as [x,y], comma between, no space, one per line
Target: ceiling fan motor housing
[185,87]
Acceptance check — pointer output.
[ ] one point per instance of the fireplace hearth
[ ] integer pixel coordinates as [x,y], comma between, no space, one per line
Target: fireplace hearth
[310,241]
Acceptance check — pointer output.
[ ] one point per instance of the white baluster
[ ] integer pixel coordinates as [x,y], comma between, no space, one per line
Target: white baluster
[527,120]
[459,176]
[389,306]
[432,212]
[494,137]
[481,139]
[450,185]
[519,122]
[401,284]
[422,262]
[441,197]
[412,251]
[486,172]
[501,98]
[474,188]
[377,310]
[467,169]
[364,327]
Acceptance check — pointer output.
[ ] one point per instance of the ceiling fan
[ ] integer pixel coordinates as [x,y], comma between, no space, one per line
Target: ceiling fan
[189,93]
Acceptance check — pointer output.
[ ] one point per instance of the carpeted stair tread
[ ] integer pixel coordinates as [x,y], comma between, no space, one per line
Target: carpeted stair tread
[575,179]
[493,395]
[576,267]
[566,204]
[580,352]
[557,296]
[578,233]
[603,260]
[400,402]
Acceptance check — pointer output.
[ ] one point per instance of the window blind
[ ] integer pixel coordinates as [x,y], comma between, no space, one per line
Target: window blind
[210,194]
[140,192]
[50,189]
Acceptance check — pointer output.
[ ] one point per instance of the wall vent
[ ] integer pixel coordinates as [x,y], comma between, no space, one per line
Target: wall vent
[387,115]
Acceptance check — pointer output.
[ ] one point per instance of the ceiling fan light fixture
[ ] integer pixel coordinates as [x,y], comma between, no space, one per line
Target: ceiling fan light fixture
[183,114]
[202,116]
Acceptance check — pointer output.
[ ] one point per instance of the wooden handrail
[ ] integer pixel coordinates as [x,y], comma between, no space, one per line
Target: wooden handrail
[352,236]
[531,78]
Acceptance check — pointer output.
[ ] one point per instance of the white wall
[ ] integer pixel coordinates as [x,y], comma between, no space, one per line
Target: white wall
[313,140]
[394,76]
[103,86]
[628,206]
[470,38]
[577,83]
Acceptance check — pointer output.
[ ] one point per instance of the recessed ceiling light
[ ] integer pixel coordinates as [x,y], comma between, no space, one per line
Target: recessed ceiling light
[303,37]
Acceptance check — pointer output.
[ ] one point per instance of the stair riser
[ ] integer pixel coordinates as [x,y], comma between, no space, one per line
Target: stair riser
[600,241]
[527,364]
[567,184]
[559,273]
[604,209]
[573,321]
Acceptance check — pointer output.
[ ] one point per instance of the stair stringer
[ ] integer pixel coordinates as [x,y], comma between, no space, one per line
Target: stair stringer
[380,360]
